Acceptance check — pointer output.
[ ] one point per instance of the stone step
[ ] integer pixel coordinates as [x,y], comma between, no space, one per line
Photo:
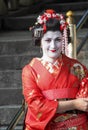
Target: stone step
[18,9]
[15,62]
[20,42]
[16,128]
[16,43]
[10,96]
[36,6]
[17,47]
[40,6]
[24,22]
[7,114]
[76,6]
[10,79]
[24,17]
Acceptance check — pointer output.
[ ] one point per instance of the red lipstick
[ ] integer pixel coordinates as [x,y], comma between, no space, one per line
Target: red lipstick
[53,50]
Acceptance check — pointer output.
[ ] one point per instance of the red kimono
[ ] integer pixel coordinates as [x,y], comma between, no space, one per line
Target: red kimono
[44,84]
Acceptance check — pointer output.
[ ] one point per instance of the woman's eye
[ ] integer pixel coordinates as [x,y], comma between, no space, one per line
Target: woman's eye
[58,40]
[48,40]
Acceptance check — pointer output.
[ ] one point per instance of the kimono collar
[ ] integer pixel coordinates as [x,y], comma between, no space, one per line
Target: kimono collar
[56,63]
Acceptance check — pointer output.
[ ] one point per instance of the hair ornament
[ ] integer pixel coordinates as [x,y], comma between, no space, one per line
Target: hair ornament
[38,32]
[51,14]
[40,26]
[44,28]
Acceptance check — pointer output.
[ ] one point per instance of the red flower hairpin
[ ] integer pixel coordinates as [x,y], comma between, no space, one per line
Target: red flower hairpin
[51,14]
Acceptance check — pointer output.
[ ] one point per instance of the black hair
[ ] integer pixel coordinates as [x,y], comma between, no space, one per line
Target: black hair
[51,25]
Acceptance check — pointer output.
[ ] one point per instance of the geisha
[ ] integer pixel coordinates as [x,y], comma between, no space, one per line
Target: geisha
[55,87]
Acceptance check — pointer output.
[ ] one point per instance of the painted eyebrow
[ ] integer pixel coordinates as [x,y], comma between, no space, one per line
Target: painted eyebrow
[51,37]
[58,37]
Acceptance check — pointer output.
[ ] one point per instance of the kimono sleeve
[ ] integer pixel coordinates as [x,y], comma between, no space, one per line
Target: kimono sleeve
[83,90]
[40,108]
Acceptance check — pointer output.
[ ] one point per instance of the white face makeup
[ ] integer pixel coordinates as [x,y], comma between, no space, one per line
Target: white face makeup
[51,44]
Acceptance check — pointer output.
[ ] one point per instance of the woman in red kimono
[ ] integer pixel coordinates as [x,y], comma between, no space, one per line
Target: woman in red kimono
[55,87]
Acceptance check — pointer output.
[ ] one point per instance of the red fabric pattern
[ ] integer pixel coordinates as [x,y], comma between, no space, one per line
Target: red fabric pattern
[40,110]
[36,79]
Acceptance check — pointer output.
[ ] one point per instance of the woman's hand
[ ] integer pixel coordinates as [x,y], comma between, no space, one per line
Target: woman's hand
[81,104]
[75,104]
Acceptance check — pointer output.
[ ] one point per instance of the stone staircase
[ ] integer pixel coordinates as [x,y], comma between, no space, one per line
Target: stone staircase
[16,50]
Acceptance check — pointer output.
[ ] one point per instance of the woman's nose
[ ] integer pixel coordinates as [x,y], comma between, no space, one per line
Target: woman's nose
[53,44]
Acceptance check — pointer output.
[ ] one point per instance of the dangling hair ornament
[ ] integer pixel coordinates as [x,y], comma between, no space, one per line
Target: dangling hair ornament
[65,42]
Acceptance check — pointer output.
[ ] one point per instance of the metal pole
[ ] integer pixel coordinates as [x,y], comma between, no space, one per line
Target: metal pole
[82,20]
[17,117]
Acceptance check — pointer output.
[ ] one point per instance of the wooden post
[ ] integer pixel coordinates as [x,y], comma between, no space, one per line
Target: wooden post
[72,27]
